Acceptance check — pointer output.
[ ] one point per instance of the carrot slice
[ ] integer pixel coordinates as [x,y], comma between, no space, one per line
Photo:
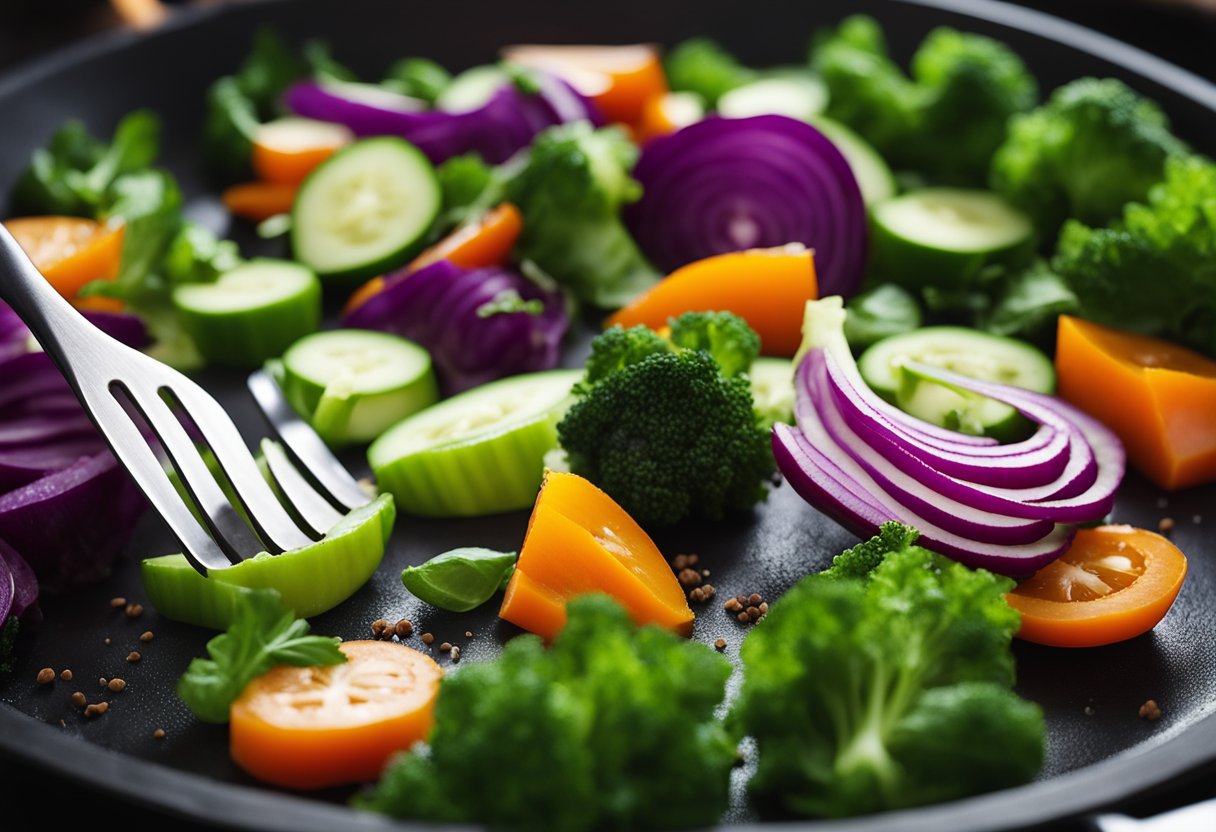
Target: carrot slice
[767,287]
[288,149]
[69,251]
[1158,397]
[259,201]
[619,79]
[580,541]
[486,241]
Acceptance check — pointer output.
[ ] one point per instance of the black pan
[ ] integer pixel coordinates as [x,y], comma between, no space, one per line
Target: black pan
[1099,750]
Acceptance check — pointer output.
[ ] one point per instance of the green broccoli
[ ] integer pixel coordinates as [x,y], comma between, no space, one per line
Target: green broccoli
[1155,271]
[885,683]
[1094,147]
[570,191]
[668,437]
[947,119]
[612,728]
[702,66]
[418,78]
[617,348]
[726,337]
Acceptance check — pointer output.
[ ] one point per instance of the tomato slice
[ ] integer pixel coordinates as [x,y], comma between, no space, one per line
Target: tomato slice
[69,251]
[312,727]
[1114,583]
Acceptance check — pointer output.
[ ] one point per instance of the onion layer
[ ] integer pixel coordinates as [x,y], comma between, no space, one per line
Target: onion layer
[1007,508]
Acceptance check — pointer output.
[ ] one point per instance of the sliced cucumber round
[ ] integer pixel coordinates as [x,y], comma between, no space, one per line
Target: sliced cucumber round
[310,580]
[354,384]
[480,452]
[772,383]
[873,174]
[366,210]
[250,313]
[471,89]
[945,237]
[797,95]
[967,352]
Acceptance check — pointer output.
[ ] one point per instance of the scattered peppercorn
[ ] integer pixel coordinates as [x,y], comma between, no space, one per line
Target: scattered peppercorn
[66,675]
[427,638]
[455,653]
[102,682]
[117,685]
[135,610]
[446,647]
[96,709]
[379,628]
[116,603]
[743,617]
[403,628]
[46,676]
[147,636]
[108,641]
[1166,525]
[468,633]
[133,657]
[78,699]
[158,734]
[704,573]
[1150,710]
[702,593]
[689,577]
[747,608]
[681,562]
[733,605]
[720,644]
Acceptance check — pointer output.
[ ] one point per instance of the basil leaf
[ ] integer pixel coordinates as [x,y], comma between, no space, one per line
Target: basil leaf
[459,580]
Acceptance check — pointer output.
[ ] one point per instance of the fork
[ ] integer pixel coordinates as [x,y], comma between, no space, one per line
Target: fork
[120,388]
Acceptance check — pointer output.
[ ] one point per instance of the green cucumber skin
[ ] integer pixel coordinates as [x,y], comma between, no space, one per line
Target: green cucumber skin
[310,580]
[248,339]
[350,278]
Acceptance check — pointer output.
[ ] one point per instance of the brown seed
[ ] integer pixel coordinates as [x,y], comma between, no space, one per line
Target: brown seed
[1150,710]
[158,734]
[46,676]
[108,641]
[147,636]
[704,573]
[427,638]
[720,644]
[92,711]
[754,613]
[1166,525]
[754,599]
[468,633]
[78,699]
[118,602]
[679,562]
[697,596]
[117,685]
[379,628]
[133,657]
[455,653]
[446,647]
[135,610]
[689,577]
[732,605]
[403,628]
[693,560]
[101,682]
[66,675]
[763,607]
[743,617]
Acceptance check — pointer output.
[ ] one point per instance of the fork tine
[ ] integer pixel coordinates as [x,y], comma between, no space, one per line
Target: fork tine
[274,525]
[132,450]
[313,509]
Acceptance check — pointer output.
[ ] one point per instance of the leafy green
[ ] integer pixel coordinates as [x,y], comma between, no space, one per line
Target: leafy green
[917,122]
[196,255]
[612,728]
[1155,270]
[884,683]
[702,66]
[460,580]
[726,337]
[1095,146]
[262,635]
[879,313]
[570,191]
[1028,304]
[509,302]
[417,78]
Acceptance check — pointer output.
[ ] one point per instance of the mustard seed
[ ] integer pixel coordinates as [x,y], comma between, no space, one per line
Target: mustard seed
[135,610]
[117,685]
[1150,710]
[446,647]
[379,628]
[118,603]
[427,638]
[158,734]
[66,675]
[1166,525]
[147,636]
[46,676]
[455,653]
[468,633]
[404,628]
[78,699]
[720,644]
[133,657]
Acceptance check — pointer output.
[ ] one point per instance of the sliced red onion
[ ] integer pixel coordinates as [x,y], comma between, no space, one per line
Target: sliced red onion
[34,430]
[122,326]
[724,185]
[496,131]
[863,462]
[8,592]
[21,466]
[25,585]
[443,307]
[12,328]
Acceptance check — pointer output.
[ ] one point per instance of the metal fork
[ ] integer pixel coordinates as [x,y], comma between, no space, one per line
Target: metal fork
[112,380]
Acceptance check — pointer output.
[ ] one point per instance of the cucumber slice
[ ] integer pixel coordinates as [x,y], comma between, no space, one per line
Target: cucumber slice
[945,237]
[797,95]
[250,313]
[354,384]
[365,210]
[772,383]
[310,580]
[476,453]
[968,352]
[873,174]
[471,89]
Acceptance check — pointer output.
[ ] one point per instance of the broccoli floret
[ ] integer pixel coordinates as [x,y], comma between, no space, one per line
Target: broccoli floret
[570,191]
[1155,271]
[725,336]
[668,437]
[702,66]
[617,348]
[885,683]
[945,120]
[1094,147]
[612,728]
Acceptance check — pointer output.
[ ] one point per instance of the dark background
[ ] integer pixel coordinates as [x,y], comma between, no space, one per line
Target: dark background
[1182,34]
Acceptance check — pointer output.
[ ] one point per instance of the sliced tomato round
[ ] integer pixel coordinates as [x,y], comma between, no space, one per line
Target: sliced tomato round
[1114,583]
[313,727]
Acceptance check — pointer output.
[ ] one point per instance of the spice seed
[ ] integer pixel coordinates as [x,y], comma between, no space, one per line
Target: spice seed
[379,628]
[468,633]
[733,605]
[427,638]
[720,644]
[102,682]
[78,699]
[754,599]
[133,657]
[147,636]
[446,647]
[108,641]
[135,610]
[689,577]
[455,653]
[46,676]
[1150,710]
[743,617]
[66,675]
[158,734]
[1166,525]
[403,628]
[118,602]
[117,685]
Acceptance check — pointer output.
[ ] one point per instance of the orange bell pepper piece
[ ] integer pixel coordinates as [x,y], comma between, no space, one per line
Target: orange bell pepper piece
[257,201]
[69,251]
